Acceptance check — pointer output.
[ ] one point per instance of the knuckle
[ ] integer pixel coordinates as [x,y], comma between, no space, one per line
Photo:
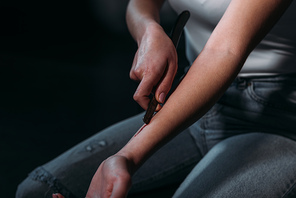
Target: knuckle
[136,74]
[140,100]
[137,71]
[132,76]
[136,97]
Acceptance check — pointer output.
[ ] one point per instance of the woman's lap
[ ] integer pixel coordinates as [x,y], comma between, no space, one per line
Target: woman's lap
[236,161]
[247,165]
[71,172]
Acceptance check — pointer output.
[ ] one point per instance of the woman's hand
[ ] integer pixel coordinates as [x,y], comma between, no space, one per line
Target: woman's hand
[112,179]
[154,65]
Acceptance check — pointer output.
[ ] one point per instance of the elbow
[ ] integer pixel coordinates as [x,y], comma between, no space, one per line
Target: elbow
[239,53]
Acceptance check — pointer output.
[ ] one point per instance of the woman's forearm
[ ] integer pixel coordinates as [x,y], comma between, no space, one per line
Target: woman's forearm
[205,82]
[141,14]
[242,26]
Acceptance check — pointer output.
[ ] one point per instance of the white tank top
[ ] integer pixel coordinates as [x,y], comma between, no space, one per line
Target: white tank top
[276,53]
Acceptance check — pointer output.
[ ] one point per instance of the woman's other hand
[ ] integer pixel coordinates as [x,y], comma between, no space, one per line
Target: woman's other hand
[112,179]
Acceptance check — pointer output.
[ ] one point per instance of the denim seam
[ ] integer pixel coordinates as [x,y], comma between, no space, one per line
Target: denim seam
[291,192]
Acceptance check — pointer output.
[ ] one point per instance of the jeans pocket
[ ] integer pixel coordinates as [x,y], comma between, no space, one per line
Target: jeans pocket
[280,95]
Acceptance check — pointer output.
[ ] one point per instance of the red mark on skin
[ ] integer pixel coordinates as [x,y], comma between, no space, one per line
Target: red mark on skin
[139,131]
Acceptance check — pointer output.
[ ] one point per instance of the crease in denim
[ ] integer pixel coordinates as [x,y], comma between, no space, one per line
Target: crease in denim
[166,173]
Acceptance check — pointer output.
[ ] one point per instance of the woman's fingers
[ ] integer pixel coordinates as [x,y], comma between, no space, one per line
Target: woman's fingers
[57,195]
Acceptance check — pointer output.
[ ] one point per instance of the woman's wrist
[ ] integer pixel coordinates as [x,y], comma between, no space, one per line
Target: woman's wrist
[151,30]
[131,163]
[137,149]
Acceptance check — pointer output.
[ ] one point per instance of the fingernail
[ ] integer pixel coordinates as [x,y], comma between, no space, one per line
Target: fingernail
[161,97]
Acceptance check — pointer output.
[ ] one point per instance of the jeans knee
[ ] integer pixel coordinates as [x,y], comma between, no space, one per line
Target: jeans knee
[41,184]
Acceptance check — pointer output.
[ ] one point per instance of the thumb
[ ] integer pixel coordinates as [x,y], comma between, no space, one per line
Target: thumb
[166,83]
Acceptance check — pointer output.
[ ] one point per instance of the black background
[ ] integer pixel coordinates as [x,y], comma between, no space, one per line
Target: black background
[64,75]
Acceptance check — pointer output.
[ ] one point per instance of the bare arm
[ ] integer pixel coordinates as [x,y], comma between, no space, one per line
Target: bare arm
[243,25]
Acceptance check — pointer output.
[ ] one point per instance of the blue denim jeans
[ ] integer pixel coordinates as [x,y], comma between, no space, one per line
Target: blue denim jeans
[243,147]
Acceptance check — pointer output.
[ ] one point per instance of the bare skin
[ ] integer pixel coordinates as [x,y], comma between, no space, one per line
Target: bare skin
[243,25]
[57,195]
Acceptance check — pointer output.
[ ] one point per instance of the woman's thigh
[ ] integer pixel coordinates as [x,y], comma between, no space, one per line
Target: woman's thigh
[71,172]
[248,165]
[169,165]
